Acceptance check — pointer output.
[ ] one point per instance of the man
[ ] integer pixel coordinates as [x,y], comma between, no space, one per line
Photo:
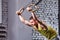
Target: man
[38,25]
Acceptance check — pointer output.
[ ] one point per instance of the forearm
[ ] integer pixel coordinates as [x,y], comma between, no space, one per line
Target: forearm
[34,16]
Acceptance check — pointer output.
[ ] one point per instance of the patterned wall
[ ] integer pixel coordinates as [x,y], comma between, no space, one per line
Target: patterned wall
[48,12]
[3,25]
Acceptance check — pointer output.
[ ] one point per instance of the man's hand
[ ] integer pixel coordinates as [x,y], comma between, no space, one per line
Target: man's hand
[29,9]
[19,12]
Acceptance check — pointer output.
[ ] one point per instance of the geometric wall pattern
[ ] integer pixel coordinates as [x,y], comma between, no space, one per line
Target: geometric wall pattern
[4,24]
[47,12]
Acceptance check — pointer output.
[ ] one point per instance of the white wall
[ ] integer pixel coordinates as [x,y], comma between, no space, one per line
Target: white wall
[16,29]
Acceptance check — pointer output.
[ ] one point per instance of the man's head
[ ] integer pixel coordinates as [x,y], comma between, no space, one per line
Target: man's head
[32,20]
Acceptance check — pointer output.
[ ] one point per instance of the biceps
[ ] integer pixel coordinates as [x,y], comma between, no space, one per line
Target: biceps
[27,23]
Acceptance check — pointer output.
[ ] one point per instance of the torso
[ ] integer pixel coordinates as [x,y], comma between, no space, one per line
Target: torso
[50,33]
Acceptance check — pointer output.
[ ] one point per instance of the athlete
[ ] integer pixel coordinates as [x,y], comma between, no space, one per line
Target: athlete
[37,24]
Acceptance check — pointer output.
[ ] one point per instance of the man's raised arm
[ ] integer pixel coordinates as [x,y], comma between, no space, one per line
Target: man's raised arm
[21,17]
[33,15]
[40,21]
[24,21]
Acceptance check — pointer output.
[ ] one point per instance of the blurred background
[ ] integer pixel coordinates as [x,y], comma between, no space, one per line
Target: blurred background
[11,28]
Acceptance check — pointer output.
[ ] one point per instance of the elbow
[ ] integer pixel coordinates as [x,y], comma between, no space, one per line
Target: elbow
[23,21]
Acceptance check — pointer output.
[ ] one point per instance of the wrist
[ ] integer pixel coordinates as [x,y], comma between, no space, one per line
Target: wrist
[18,13]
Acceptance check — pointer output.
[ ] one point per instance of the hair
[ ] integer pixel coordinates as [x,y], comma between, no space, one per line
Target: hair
[30,18]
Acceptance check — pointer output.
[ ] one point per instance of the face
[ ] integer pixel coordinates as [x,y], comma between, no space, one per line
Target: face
[33,21]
